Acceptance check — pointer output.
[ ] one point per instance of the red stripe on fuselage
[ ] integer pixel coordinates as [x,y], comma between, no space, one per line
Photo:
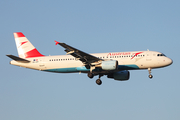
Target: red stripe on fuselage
[33,53]
[136,54]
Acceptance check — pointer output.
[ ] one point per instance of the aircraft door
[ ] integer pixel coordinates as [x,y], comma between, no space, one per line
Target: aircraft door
[148,56]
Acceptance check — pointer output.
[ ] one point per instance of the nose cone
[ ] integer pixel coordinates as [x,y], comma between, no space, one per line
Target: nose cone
[169,61]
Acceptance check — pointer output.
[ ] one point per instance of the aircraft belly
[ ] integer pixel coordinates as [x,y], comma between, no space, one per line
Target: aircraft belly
[68,70]
[66,67]
[128,67]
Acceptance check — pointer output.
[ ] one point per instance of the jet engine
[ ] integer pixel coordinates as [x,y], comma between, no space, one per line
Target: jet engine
[120,76]
[109,65]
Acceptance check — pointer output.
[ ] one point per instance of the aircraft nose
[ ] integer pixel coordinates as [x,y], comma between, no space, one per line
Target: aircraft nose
[169,61]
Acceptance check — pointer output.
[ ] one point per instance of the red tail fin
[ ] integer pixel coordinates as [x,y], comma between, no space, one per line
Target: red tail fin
[24,47]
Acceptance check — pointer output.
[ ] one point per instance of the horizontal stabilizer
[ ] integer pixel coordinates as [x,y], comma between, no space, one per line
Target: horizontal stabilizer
[18,59]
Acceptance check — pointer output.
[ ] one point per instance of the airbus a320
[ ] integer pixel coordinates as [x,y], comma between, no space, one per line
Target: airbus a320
[115,65]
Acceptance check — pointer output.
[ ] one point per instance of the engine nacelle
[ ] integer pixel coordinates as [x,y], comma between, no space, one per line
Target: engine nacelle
[109,65]
[121,75]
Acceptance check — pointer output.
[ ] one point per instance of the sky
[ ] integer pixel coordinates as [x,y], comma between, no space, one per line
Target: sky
[94,26]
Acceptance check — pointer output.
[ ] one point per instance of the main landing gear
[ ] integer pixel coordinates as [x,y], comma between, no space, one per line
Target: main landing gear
[98,81]
[150,76]
[90,75]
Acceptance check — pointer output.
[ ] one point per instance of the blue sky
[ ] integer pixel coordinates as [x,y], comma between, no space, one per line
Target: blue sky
[94,27]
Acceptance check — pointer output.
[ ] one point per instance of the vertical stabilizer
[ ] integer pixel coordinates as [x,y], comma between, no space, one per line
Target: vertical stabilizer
[24,47]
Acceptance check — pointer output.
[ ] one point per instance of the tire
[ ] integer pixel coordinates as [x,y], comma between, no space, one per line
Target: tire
[98,81]
[150,76]
[90,75]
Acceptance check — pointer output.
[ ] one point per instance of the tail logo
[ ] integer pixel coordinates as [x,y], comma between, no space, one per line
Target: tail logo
[20,44]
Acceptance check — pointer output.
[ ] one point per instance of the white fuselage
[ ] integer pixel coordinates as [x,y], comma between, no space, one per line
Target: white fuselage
[126,61]
[115,65]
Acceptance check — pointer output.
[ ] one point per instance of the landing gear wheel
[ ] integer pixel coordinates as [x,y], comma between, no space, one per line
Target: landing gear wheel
[90,75]
[150,76]
[98,81]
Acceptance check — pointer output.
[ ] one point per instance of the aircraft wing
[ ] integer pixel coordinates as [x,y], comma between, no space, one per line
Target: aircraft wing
[87,59]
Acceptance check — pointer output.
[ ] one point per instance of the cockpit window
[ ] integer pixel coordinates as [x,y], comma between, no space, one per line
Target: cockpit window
[161,55]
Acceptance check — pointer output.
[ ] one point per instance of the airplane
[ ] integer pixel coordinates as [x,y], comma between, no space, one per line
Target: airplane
[115,65]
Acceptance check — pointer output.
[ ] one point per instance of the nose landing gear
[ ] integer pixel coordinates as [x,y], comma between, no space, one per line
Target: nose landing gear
[150,76]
